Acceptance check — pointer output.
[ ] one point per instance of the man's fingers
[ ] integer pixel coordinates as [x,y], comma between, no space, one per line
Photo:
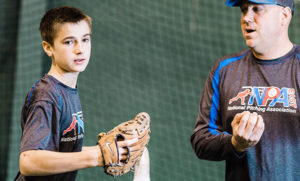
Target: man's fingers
[248,132]
[236,119]
[251,123]
[258,129]
[243,123]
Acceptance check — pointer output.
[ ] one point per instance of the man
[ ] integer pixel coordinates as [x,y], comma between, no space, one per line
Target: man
[248,113]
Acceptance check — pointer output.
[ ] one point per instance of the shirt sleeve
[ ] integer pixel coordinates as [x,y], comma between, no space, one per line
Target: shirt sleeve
[210,140]
[41,129]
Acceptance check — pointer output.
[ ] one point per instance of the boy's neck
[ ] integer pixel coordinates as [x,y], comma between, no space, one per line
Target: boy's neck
[67,78]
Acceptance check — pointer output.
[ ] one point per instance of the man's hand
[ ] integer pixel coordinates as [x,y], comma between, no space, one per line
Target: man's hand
[247,130]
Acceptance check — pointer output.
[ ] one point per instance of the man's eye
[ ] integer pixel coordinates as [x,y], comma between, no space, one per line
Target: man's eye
[257,9]
[243,10]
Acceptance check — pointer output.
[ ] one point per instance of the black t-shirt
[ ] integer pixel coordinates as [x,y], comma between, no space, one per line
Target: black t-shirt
[52,120]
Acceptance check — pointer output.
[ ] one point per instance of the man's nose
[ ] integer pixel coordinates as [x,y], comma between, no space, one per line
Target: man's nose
[247,16]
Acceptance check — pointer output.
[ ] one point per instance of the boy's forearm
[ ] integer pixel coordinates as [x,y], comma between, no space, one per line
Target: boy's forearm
[43,162]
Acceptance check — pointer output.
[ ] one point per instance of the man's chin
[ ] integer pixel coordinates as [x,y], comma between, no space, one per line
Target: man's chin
[250,43]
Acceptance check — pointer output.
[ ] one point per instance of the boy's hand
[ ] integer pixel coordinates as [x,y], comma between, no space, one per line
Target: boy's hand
[123,146]
[247,130]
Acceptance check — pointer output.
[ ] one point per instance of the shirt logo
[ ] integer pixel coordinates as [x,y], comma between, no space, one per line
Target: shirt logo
[76,120]
[265,99]
[241,95]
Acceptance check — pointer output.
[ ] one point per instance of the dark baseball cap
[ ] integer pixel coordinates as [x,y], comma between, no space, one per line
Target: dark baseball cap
[285,3]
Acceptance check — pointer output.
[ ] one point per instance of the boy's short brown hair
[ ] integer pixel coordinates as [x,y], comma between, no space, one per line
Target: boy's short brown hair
[58,16]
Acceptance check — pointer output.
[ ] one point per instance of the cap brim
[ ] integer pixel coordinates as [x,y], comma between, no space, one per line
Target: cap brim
[238,2]
[232,3]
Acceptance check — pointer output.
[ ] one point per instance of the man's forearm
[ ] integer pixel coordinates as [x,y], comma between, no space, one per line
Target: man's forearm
[43,162]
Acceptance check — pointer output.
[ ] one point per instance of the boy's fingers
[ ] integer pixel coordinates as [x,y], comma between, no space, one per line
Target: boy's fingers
[123,151]
[123,154]
[127,142]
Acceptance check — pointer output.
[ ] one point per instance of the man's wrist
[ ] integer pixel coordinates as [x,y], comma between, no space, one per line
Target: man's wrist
[235,145]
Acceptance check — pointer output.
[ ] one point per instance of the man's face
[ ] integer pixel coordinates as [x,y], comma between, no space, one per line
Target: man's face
[260,24]
[71,47]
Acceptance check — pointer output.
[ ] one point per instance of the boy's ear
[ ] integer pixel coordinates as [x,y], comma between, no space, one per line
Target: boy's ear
[47,48]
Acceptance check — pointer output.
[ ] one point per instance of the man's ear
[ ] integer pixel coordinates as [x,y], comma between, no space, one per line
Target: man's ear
[47,48]
[286,16]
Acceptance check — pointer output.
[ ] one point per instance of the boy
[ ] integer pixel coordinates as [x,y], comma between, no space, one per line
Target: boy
[52,120]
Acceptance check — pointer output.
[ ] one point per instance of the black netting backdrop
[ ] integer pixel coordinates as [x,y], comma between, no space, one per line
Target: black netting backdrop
[148,56]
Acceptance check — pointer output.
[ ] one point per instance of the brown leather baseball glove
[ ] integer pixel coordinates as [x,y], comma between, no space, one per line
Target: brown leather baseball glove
[139,128]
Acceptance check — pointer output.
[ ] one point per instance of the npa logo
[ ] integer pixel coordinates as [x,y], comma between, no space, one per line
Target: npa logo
[271,99]
[77,122]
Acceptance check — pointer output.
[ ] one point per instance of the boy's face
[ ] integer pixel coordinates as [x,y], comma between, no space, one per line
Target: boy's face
[71,47]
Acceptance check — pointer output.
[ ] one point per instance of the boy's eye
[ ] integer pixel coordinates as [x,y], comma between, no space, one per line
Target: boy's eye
[68,42]
[86,40]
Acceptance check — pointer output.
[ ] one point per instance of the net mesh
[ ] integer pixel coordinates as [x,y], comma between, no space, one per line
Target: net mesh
[148,56]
